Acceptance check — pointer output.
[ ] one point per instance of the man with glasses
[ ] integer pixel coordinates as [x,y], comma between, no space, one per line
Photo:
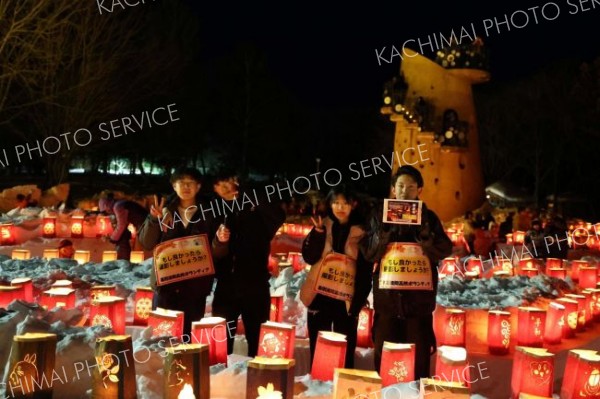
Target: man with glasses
[405,315]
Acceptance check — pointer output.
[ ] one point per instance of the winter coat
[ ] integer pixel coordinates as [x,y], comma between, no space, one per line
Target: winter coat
[127,212]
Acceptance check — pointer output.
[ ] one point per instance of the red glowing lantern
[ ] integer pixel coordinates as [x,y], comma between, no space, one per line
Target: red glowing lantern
[532,372]
[581,310]
[58,297]
[452,360]
[498,332]
[330,353]
[100,291]
[103,226]
[7,235]
[595,299]
[553,263]
[295,258]
[449,266]
[475,265]
[557,272]
[509,239]
[454,328]
[109,311]
[49,227]
[582,375]
[212,331]
[276,311]
[528,272]
[532,323]
[143,305]
[166,323]
[555,320]
[397,363]
[9,294]
[575,266]
[588,277]
[277,340]
[27,285]
[519,237]
[527,263]
[503,265]
[77,226]
[364,333]
[589,306]
[571,316]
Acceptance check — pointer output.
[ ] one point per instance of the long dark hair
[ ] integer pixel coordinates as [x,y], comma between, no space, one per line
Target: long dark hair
[351,197]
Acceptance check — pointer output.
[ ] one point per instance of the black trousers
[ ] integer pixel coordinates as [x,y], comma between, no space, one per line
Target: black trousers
[191,302]
[123,245]
[252,304]
[333,317]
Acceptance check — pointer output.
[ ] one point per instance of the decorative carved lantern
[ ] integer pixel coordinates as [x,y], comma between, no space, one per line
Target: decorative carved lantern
[212,331]
[588,277]
[555,320]
[330,353]
[103,226]
[454,327]
[100,291]
[166,323]
[581,310]
[31,366]
[109,312]
[143,305]
[451,360]
[49,227]
[475,265]
[114,378]
[82,257]
[9,294]
[21,254]
[186,365]
[269,378]
[581,378]
[557,272]
[364,334]
[276,311]
[277,340]
[136,257]
[519,237]
[397,363]
[528,263]
[77,226]
[27,285]
[58,297]
[532,323]
[532,372]
[499,328]
[7,235]
[449,266]
[553,263]
[571,316]
[595,302]
[575,266]
[50,254]
[360,382]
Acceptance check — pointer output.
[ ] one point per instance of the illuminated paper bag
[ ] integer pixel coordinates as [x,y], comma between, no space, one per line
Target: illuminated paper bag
[165,322]
[350,383]
[436,389]
[114,376]
[274,376]
[335,278]
[143,305]
[31,366]
[183,259]
[277,340]
[405,267]
[187,364]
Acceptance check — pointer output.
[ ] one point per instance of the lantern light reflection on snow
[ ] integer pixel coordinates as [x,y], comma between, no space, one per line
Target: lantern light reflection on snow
[212,331]
[454,327]
[531,326]
[81,256]
[499,328]
[165,322]
[76,226]
[330,353]
[532,372]
[571,316]
[136,257]
[7,235]
[108,256]
[581,378]
[364,328]
[26,284]
[588,277]
[21,254]
[49,227]
[397,363]
[142,305]
[277,340]
[276,308]
[555,320]
[452,360]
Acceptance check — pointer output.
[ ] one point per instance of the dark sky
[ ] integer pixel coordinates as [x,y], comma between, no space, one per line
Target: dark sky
[325,53]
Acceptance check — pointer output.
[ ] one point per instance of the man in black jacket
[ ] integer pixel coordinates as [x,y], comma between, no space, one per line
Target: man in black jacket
[243,275]
[405,316]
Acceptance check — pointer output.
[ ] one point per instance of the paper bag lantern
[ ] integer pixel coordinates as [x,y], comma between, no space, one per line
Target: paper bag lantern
[277,340]
[454,327]
[588,277]
[532,323]
[502,264]
[109,256]
[355,383]
[528,263]
[532,372]
[114,378]
[58,297]
[9,294]
[27,285]
[295,258]
[589,307]
[581,378]
[555,320]
[143,305]
[330,353]
[21,254]
[7,235]
[136,257]
[499,328]
[81,256]
[581,310]
[273,375]
[595,301]
[557,272]
[528,272]
[276,310]
[571,316]
[49,227]
[166,323]
[364,329]
[553,263]
[109,311]
[436,389]
[212,331]
[519,237]
[397,363]
[50,254]
[449,266]
[475,265]
[31,366]
[76,226]
[103,226]
[187,365]
[452,360]
[100,291]
[576,265]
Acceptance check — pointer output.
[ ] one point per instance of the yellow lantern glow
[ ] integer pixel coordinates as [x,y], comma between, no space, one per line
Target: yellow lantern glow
[108,256]
[82,256]
[21,254]
[50,254]
[136,257]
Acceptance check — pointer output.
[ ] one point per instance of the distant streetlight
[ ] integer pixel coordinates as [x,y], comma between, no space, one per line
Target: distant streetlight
[318,163]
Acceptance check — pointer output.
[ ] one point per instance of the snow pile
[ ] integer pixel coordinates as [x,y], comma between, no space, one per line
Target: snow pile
[499,292]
